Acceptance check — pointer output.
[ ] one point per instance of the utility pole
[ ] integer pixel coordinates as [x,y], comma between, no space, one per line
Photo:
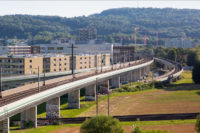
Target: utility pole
[72,56]
[97,104]
[44,78]
[101,62]
[1,81]
[108,101]
[96,63]
[38,79]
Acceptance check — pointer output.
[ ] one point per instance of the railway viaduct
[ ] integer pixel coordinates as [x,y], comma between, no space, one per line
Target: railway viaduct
[27,104]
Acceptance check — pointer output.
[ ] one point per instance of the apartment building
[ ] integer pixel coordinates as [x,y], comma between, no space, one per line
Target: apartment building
[91,61]
[29,64]
[84,61]
[57,63]
[18,65]
[86,34]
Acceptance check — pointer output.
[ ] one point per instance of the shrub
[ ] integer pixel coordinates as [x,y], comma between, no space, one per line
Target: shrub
[101,124]
[197,126]
[196,73]
[139,130]
[135,87]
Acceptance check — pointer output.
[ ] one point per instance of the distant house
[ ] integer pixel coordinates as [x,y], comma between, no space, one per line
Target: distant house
[179,43]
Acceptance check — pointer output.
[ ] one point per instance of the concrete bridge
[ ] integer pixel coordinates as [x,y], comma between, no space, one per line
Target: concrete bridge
[27,104]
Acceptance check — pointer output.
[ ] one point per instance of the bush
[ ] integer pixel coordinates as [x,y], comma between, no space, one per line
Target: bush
[196,73]
[197,126]
[139,130]
[101,124]
[135,87]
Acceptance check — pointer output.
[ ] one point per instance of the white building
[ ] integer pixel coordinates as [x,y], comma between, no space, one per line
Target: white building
[179,43]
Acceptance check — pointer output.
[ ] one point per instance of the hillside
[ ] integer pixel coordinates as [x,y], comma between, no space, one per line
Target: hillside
[113,22]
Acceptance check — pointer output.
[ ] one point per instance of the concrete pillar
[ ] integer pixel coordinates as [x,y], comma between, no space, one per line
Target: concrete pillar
[104,86]
[53,108]
[124,77]
[140,74]
[115,82]
[29,115]
[74,99]
[90,93]
[4,126]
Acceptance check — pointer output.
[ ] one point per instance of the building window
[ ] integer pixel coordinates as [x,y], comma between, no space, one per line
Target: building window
[80,67]
[54,64]
[30,61]
[54,59]
[80,58]
[59,59]
[60,69]
[50,48]
[30,66]
[60,64]
[65,64]
[65,59]
[54,70]
[65,69]
[59,48]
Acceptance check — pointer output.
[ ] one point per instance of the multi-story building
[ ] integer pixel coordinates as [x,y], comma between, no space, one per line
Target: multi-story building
[91,61]
[23,65]
[18,65]
[122,53]
[57,63]
[86,34]
[19,49]
[179,43]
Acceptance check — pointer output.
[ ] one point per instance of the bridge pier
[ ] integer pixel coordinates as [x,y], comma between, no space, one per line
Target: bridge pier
[74,99]
[5,126]
[29,115]
[53,108]
[115,82]
[104,86]
[124,77]
[90,93]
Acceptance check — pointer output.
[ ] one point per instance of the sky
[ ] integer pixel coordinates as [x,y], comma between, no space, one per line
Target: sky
[82,7]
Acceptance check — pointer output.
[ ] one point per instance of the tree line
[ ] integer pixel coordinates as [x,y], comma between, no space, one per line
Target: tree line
[111,25]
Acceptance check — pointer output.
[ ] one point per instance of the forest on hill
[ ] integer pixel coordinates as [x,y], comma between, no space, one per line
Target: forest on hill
[111,25]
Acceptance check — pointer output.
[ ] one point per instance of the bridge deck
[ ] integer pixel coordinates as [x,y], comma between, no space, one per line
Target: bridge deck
[17,104]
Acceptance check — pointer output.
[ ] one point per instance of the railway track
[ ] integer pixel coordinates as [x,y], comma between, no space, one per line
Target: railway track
[17,96]
[148,117]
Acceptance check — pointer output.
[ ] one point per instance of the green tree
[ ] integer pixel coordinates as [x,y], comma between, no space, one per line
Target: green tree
[196,73]
[101,124]
[172,54]
[197,125]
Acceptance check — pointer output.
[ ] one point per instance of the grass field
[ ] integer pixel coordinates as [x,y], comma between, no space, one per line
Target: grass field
[75,128]
[182,97]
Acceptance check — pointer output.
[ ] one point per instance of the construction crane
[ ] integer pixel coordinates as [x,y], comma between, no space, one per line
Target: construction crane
[157,39]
